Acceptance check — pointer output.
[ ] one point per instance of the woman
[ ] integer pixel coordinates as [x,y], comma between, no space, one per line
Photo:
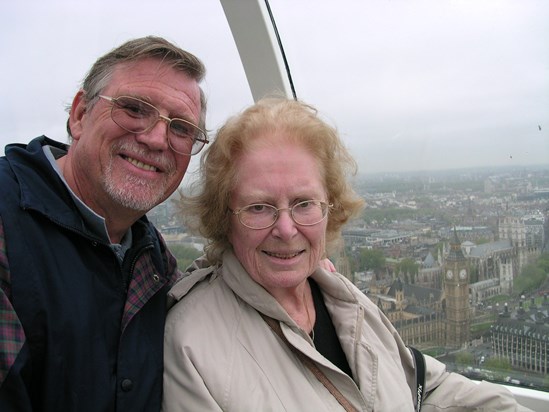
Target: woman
[252,332]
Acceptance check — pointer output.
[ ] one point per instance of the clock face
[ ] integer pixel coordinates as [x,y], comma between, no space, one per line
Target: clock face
[462,274]
[449,274]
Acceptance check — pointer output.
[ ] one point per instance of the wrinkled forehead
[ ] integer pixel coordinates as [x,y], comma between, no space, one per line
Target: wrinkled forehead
[159,81]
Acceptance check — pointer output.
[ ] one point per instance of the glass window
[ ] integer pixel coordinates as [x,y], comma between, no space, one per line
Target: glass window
[445,106]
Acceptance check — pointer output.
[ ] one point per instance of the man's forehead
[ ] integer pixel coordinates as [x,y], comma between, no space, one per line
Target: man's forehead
[153,79]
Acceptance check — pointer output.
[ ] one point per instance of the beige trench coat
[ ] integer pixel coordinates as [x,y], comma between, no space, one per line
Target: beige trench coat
[220,355]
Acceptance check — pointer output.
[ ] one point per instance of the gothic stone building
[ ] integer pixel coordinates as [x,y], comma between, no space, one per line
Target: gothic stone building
[522,337]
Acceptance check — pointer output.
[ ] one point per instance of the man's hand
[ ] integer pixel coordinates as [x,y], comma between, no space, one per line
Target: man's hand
[327,265]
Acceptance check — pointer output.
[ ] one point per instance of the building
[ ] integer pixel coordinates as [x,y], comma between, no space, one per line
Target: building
[522,337]
[463,276]
[494,260]
[415,311]
[526,239]
[485,289]
[456,292]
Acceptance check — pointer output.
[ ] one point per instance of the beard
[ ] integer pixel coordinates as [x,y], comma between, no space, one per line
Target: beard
[134,192]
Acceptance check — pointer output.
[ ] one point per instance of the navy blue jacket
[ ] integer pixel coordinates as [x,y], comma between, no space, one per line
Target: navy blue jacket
[78,330]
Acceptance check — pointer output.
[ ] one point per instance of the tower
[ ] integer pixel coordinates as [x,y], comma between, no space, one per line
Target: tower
[456,289]
[343,265]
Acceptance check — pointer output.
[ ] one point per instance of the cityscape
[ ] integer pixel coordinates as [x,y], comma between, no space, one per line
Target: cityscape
[457,260]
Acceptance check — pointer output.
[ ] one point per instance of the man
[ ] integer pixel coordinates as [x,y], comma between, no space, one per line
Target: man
[83,274]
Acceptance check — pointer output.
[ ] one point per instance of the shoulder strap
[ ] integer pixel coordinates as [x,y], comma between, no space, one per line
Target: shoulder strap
[419,366]
[275,326]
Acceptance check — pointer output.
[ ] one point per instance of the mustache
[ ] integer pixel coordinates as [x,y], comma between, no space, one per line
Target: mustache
[166,163]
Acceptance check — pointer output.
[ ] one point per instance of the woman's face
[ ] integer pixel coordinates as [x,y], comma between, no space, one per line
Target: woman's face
[280,174]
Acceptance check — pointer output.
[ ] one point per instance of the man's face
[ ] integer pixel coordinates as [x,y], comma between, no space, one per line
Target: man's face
[115,168]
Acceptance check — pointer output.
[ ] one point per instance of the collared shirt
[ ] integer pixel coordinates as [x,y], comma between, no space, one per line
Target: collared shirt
[95,221]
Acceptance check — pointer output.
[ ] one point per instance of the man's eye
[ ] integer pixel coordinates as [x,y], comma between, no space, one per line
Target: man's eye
[135,109]
[183,129]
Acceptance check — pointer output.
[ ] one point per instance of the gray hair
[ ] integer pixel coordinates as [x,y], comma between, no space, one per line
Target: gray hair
[133,50]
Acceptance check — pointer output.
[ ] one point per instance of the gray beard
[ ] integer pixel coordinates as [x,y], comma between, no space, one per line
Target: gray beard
[139,195]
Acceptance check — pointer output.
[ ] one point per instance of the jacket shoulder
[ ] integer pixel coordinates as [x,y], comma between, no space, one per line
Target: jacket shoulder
[196,298]
[189,280]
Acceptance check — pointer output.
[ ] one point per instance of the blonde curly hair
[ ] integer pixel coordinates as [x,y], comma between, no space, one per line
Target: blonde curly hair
[206,208]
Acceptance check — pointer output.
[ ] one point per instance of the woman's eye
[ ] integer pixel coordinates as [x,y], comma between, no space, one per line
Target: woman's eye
[257,208]
[305,204]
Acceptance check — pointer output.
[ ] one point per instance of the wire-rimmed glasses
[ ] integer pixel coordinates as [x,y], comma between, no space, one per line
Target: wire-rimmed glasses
[137,116]
[261,215]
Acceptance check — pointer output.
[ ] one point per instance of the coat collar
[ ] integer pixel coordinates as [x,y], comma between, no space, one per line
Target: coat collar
[332,285]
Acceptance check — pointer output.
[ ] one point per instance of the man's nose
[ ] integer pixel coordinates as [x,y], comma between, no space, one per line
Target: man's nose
[156,138]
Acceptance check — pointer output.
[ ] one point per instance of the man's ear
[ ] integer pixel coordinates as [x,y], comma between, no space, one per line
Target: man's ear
[77,112]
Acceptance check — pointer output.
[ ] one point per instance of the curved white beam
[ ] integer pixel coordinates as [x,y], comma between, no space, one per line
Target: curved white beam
[256,42]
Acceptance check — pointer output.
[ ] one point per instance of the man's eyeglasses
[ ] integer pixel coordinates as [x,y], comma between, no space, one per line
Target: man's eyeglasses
[136,116]
[262,216]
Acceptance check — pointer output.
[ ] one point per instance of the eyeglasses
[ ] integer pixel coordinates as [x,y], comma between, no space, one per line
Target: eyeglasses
[136,116]
[262,216]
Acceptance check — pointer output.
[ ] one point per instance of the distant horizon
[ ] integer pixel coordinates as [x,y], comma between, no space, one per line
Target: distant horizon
[457,169]
[193,166]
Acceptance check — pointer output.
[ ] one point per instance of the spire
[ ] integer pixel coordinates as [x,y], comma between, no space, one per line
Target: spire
[456,254]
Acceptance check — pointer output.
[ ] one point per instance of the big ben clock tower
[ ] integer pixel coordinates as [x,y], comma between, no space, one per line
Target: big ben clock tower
[456,290]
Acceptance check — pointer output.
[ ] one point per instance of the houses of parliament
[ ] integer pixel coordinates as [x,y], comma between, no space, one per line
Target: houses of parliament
[438,308]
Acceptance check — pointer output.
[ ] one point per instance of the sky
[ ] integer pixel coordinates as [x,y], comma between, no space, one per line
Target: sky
[409,84]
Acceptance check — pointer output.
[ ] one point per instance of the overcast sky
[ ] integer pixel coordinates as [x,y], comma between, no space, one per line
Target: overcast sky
[410,85]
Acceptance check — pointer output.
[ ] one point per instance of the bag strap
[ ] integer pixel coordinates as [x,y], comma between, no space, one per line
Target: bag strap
[419,366]
[311,365]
